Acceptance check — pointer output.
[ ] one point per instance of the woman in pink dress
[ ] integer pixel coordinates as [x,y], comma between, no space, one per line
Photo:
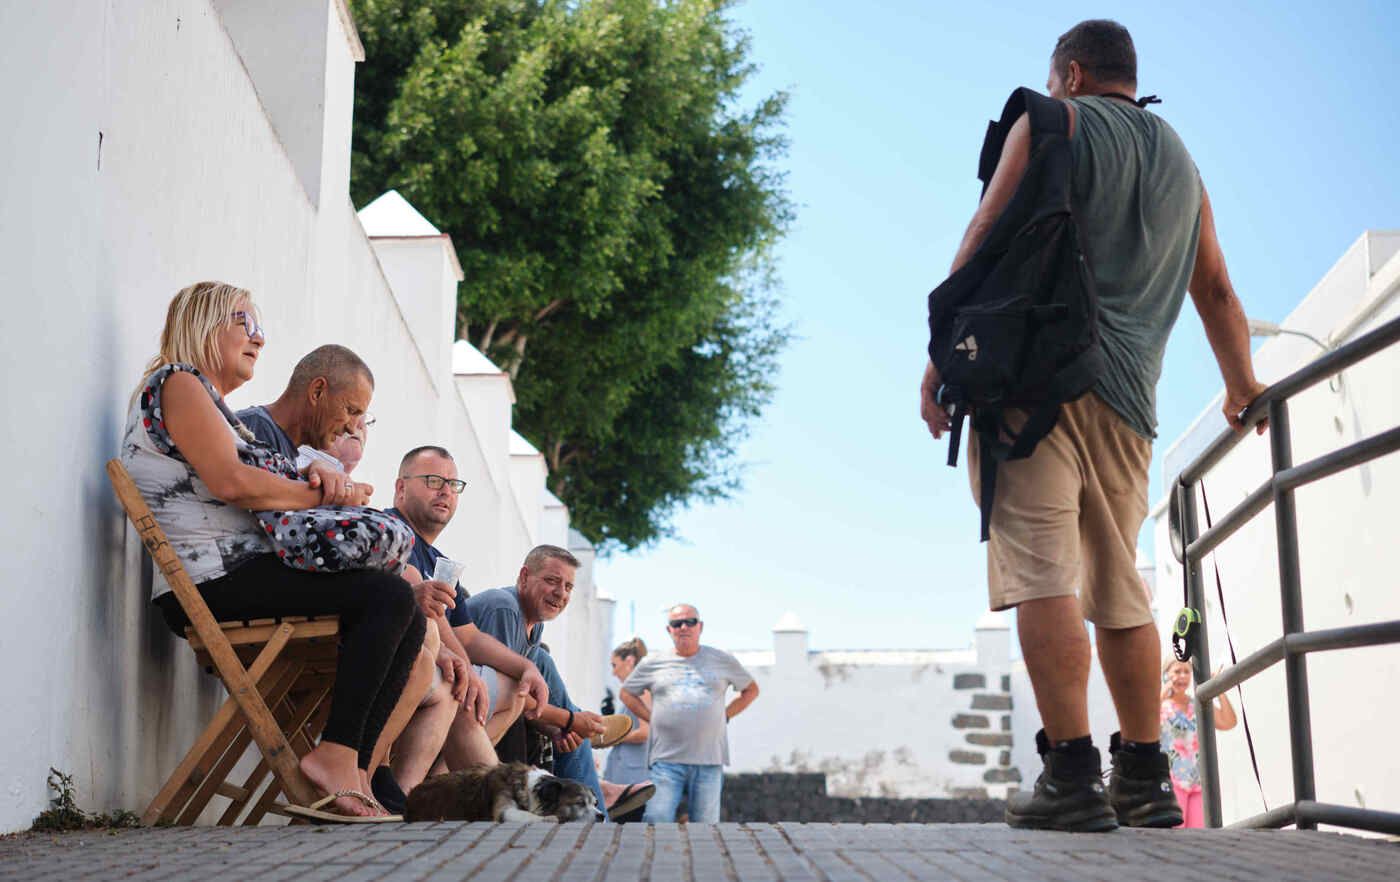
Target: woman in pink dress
[1179,739]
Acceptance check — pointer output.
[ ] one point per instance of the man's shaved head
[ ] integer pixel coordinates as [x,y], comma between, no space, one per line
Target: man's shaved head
[337,364]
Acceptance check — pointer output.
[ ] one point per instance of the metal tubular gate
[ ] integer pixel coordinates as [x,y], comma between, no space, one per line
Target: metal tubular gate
[1305,811]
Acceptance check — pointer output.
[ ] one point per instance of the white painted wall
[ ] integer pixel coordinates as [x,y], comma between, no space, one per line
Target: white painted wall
[283,46]
[1346,527]
[194,181]
[878,723]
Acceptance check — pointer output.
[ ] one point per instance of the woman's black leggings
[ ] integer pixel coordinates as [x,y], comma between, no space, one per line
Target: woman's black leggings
[381,630]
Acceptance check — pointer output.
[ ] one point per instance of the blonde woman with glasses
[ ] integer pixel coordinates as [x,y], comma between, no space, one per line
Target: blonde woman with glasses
[186,454]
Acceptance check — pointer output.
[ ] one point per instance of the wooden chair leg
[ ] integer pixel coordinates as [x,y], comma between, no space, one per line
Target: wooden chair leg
[215,777]
[302,741]
[240,797]
[226,724]
[293,717]
[314,709]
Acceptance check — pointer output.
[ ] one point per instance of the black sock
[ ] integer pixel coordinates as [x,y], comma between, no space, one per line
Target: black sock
[1143,748]
[1074,745]
[386,790]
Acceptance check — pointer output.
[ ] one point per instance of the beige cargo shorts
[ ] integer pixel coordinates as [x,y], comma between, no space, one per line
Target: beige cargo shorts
[1068,517]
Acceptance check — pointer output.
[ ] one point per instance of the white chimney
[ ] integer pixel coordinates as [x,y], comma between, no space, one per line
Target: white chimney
[993,642]
[789,645]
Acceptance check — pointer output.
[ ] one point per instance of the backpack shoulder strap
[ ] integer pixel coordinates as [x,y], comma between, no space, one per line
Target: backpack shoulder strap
[1047,116]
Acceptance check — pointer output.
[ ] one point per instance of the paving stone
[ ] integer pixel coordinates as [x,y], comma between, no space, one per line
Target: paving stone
[989,739]
[788,852]
[969,681]
[968,757]
[971,721]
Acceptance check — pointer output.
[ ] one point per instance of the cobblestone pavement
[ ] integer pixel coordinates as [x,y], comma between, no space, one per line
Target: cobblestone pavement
[733,852]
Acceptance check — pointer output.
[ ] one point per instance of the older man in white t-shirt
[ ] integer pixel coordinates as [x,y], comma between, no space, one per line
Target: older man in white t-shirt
[688,745]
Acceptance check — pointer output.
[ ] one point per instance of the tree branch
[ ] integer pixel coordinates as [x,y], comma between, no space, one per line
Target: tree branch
[549,309]
[485,343]
[519,355]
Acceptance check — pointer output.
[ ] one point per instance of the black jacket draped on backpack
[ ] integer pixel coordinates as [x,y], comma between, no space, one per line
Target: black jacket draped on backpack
[1017,325]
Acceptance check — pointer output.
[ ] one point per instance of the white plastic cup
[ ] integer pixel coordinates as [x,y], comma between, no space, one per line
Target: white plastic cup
[448,571]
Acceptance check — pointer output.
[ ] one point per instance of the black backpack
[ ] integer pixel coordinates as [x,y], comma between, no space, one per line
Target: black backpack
[1017,325]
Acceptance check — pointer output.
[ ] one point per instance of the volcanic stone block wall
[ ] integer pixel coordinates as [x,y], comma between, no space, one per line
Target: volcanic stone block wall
[802,797]
[987,728]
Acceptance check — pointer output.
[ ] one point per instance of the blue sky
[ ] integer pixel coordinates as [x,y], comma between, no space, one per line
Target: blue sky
[848,515]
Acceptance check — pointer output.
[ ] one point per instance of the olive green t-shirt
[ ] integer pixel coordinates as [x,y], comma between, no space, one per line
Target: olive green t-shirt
[1137,200]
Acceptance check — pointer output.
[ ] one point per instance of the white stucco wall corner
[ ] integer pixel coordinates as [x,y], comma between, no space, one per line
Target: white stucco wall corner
[467,360]
[520,446]
[282,48]
[350,30]
[390,216]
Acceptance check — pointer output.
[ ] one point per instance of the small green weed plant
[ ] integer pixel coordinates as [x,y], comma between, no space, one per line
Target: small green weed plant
[63,812]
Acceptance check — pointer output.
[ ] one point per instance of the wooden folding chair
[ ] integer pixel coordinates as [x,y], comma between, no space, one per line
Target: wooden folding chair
[278,673]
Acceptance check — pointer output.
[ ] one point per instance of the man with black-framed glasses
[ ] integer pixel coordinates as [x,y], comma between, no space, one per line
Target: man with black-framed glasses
[425,497]
[688,745]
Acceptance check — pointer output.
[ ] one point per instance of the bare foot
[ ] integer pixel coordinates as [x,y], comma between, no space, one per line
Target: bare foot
[331,768]
[610,790]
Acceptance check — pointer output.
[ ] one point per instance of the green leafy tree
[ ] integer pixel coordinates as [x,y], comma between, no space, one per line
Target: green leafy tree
[614,207]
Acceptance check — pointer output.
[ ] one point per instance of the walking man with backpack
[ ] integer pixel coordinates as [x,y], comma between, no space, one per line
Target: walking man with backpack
[1121,198]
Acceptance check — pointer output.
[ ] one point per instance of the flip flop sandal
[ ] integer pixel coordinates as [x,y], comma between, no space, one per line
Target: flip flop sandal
[317,810]
[615,728]
[632,798]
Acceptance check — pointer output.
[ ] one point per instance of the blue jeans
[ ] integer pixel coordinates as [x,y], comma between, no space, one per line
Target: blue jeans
[577,764]
[700,784]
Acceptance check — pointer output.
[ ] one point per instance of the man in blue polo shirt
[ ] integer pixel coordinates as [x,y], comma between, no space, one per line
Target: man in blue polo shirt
[515,615]
[425,497]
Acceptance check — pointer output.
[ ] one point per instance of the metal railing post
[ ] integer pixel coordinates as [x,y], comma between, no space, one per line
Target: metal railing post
[1291,594]
[1207,759]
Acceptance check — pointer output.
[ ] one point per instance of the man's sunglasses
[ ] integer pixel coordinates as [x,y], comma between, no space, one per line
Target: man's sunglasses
[250,324]
[691,622]
[436,482]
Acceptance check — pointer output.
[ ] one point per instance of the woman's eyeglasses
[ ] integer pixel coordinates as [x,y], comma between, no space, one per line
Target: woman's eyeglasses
[250,324]
[436,482]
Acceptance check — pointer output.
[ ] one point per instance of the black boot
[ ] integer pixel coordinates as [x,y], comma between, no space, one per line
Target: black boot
[1140,787]
[1068,795]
